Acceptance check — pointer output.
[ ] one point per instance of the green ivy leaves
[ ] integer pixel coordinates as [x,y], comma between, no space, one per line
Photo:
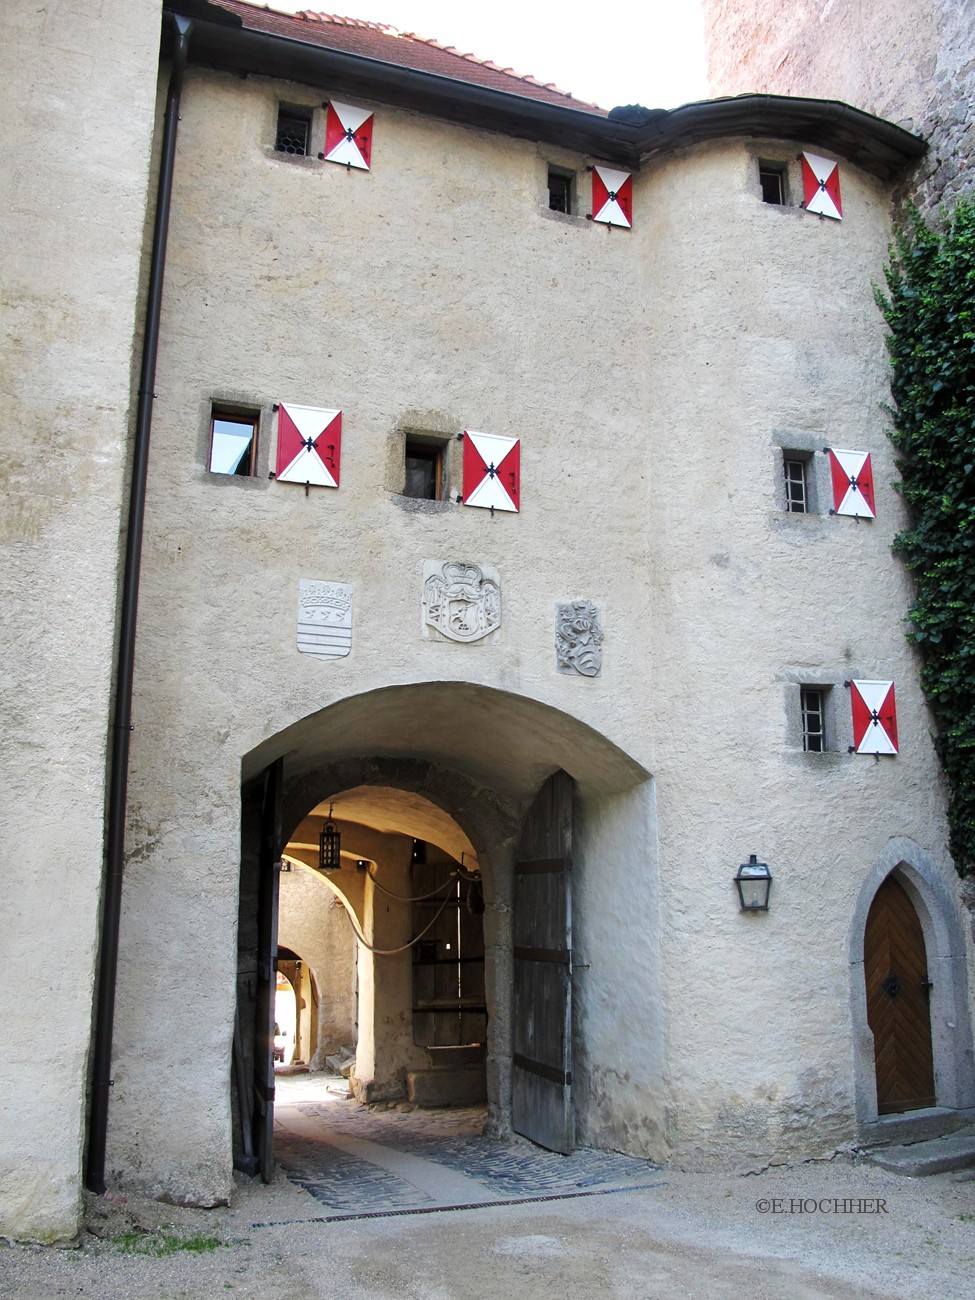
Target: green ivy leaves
[930,311]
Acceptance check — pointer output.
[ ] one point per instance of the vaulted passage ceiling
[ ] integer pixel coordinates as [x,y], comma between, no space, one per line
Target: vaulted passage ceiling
[382,808]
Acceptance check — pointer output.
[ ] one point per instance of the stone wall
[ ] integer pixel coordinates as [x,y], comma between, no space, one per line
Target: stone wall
[911,63]
[73,171]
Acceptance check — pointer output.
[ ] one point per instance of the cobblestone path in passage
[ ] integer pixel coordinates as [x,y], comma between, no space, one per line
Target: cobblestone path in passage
[358,1160]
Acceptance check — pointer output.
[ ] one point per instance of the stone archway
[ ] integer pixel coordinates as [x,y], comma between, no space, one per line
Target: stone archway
[479,755]
[917,875]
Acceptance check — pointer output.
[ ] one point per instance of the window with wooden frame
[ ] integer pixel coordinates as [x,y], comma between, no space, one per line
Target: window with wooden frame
[233,442]
[424,469]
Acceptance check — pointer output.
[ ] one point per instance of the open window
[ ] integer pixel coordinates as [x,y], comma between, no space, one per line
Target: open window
[233,443]
[423,466]
[773,180]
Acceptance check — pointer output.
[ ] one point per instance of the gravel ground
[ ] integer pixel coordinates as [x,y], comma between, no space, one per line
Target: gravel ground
[826,1228]
[693,1235]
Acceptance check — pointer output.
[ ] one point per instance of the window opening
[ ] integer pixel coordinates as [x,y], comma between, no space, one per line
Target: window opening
[424,471]
[233,444]
[559,190]
[449,1008]
[796,487]
[812,700]
[772,181]
[293,128]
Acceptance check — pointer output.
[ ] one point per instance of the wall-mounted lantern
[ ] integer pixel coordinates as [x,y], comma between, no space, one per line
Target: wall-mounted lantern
[329,845]
[754,881]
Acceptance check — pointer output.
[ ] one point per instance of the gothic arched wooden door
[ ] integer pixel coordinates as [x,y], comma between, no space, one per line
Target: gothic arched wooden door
[896,972]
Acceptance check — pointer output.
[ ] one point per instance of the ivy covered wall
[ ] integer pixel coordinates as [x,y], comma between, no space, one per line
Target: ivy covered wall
[930,309]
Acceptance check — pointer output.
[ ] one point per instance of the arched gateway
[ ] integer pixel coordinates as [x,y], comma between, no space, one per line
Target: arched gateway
[502,784]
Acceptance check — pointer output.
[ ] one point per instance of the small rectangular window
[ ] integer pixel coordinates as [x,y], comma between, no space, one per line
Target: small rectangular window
[796,486]
[559,190]
[294,126]
[424,470]
[772,180]
[812,701]
[233,444]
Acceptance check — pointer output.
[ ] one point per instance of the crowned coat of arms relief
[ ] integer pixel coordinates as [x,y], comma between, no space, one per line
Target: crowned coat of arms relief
[324,618]
[461,602]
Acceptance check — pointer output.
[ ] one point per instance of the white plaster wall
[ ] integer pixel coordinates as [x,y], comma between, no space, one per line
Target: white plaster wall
[648,374]
[766,322]
[340,303]
[73,179]
[621,1094]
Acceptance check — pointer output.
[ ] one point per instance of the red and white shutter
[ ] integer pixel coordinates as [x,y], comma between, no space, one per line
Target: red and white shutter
[852,476]
[309,445]
[348,135]
[874,717]
[492,471]
[821,186]
[612,197]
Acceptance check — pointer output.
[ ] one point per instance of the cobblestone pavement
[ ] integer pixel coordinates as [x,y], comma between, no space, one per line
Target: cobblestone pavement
[361,1161]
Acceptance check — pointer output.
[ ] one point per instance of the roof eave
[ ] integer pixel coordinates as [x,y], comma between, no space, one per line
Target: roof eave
[878,146]
[221,41]
[230,47]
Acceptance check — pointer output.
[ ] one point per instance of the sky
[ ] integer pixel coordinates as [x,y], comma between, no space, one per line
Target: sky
[649,52]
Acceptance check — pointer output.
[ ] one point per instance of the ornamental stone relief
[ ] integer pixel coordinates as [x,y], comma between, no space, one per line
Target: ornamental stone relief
[578,638]
[461,602]
[324,619]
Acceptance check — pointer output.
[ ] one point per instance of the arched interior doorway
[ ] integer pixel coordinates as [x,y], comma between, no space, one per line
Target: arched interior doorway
[286,1030]
[396,923]
[300,1022]
[460,768]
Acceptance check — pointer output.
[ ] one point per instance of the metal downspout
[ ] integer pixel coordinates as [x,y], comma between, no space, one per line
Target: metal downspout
[101,1081]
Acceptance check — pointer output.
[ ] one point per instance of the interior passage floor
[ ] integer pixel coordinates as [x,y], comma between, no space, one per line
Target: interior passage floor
[363,1161]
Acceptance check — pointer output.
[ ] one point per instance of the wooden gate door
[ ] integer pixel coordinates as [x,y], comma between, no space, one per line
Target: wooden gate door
[267,955]
[896,972]
[541,1104]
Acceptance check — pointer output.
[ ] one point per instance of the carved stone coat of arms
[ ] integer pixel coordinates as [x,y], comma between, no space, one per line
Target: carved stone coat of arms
[324,619]
[461,602]
[578,638]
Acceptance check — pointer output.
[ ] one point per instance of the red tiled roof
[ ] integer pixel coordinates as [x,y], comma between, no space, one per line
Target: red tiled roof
[387,45]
